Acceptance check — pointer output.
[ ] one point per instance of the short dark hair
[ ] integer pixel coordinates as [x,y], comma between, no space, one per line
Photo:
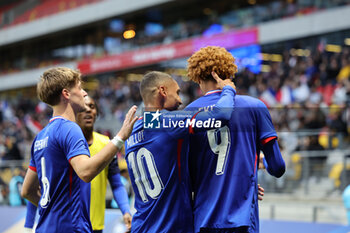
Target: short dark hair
[151,81]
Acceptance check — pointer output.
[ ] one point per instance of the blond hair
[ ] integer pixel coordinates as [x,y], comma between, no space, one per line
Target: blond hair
[53,81]
[208,59]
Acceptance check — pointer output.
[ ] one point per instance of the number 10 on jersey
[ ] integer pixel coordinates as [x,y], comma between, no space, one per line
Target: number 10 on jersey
[137,163]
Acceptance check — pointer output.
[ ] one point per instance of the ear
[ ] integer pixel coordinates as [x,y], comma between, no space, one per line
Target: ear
[162,91]
[65,93]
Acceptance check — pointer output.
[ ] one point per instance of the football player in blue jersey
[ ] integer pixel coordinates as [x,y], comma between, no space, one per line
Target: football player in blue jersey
[60,160]
[157,161]
[96,141]
[224,161]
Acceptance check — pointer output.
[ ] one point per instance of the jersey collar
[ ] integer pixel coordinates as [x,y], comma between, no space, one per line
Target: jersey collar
[56,117]
[212,92]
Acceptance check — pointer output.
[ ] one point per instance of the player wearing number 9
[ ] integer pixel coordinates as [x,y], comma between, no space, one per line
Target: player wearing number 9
[224,162]
[157,162]
[60,160]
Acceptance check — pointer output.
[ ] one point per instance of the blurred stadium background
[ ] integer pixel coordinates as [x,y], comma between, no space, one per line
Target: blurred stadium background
[293,54]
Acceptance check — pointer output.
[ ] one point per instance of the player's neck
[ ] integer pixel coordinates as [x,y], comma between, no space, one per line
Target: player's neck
[88,135]
[65,111]
[154,105]
[208,86]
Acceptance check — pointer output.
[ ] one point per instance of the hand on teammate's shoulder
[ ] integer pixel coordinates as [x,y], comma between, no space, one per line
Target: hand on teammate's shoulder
[222,83]
[128,123]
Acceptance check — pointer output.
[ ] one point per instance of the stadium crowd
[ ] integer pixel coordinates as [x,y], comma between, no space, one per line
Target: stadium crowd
[302,93]
[107,39]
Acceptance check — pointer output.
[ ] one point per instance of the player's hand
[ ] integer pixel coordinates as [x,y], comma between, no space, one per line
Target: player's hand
[128,123]
[261,191]
[222,83]
[261,161]
[127,221]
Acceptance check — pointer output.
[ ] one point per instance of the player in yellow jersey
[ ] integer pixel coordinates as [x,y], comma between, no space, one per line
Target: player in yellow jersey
[111,173]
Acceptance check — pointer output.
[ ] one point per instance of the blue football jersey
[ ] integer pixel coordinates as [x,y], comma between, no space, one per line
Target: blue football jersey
[223,165]
[158,168]
[65,198]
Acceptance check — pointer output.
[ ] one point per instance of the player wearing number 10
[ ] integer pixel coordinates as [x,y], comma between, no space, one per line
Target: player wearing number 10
[60,161]
[224,161]
[157,162]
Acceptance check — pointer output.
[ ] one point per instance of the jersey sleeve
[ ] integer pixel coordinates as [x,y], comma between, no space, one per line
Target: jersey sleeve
[30,215]
[265,128]
[221,112]
[32,165]
[118,189]
[73,139]
[273,160]
[113,167]
[119,192]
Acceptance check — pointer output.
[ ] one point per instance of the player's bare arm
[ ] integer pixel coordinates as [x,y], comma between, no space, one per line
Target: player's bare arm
[88,167]
[261,161]
[30,188]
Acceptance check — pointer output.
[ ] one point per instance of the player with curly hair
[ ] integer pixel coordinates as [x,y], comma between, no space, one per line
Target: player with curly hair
[157,161]
[224,162]
[212,58]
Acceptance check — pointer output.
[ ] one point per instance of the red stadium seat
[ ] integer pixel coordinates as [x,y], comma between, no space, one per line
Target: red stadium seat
[49,7]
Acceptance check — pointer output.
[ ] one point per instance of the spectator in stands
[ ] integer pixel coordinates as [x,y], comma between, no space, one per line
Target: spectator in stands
[15,187]
[4,193]
[337,124]
[314,118]
[92,43]
[332,70]
[12,151]
[2,145]
[316,162]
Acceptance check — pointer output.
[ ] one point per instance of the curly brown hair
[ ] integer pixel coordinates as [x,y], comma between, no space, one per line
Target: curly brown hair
[208,59]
